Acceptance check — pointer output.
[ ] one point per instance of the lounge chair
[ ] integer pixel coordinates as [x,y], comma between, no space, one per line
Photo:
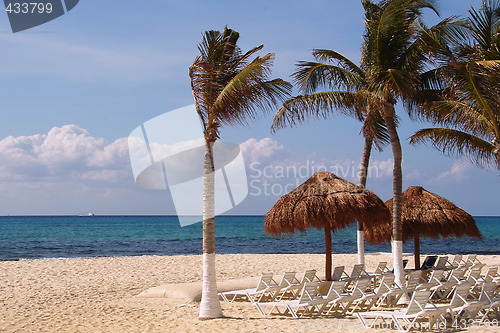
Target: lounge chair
[471,260]
[380,269]
[310,276]
[389,291]
[413,280]
[290,286]
[338,273]
[461,306]
[456,262]
[404,320]
[429,261]
[488,292]
[309,300]
[441,262]
[445,287]
[343,300]
[357,271]
[378,272]
[336,298]
[266,288]
[434,280]
[364,298]
[491,275]
[473,277]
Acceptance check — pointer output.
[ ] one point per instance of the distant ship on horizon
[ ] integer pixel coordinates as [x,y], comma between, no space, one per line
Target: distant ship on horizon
[88,214]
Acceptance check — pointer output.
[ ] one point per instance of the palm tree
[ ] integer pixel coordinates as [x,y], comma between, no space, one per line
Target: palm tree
[394,56]
[227,88]
[333,70]
[469,102]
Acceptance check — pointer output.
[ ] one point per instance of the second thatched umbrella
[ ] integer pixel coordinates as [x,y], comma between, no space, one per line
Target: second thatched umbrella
[425,214]
[325,201]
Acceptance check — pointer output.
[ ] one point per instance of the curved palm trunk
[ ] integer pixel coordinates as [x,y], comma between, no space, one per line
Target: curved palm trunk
[210,304]
[363,174]
[397,185]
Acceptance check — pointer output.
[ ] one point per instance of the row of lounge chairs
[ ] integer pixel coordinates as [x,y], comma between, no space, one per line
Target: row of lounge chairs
[458,261]
[447,293]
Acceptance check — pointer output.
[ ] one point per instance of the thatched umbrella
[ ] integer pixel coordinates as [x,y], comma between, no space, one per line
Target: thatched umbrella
[425,214]
[324,201]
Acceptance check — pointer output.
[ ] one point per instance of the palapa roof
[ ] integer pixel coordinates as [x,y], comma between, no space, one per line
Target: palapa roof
[425,214]
[324,199]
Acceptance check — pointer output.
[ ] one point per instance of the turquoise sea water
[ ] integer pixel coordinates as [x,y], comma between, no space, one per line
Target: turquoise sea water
[28,237]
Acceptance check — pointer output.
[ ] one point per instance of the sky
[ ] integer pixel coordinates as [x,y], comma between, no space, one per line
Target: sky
[74,89]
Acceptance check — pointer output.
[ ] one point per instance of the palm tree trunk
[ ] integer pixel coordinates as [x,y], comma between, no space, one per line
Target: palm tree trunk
[328,253]
[397,185]
[363,174]
[210,304]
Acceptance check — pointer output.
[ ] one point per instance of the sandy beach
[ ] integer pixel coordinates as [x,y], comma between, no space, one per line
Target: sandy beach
[100,294]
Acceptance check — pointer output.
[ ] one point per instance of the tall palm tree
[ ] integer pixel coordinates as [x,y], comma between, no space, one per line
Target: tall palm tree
[227,88]
[469,103]
[332,70]
[394,56]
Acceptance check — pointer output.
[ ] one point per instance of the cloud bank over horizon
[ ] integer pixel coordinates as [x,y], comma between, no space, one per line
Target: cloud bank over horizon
[67,170]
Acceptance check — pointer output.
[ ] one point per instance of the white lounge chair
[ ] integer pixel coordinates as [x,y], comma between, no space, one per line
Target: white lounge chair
[491,274]
[441,263]
[444,288]
[380,270]
[290,286]
[471,260]
[337,298]
[461,307]
[456,262]
[435,278]
[310,276]
[266,288]
[338,273]
[413,279]
[357,271]
[340,299]
[364,298]
[309,300]
[488,294]
[389,291]
[404,320]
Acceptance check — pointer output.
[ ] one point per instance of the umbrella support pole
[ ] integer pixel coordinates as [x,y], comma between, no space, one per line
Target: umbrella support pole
[328,253]
[417,252]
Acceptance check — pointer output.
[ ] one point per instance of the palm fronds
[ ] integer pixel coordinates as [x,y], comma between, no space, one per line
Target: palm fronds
[227,87]
[457,143]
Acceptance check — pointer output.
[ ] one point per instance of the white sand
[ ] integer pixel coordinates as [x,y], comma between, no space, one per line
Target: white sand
[100,294]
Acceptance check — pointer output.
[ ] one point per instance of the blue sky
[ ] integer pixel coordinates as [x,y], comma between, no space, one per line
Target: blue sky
[74,88]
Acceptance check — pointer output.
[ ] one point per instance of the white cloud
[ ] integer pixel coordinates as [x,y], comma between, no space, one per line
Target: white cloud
[71,153]
[459,171]
[68,169]
[268,158]
[265,151]
[64,153]
[414,174]
[381,168]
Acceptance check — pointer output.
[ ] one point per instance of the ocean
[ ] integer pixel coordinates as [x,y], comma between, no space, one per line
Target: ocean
[32,237]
